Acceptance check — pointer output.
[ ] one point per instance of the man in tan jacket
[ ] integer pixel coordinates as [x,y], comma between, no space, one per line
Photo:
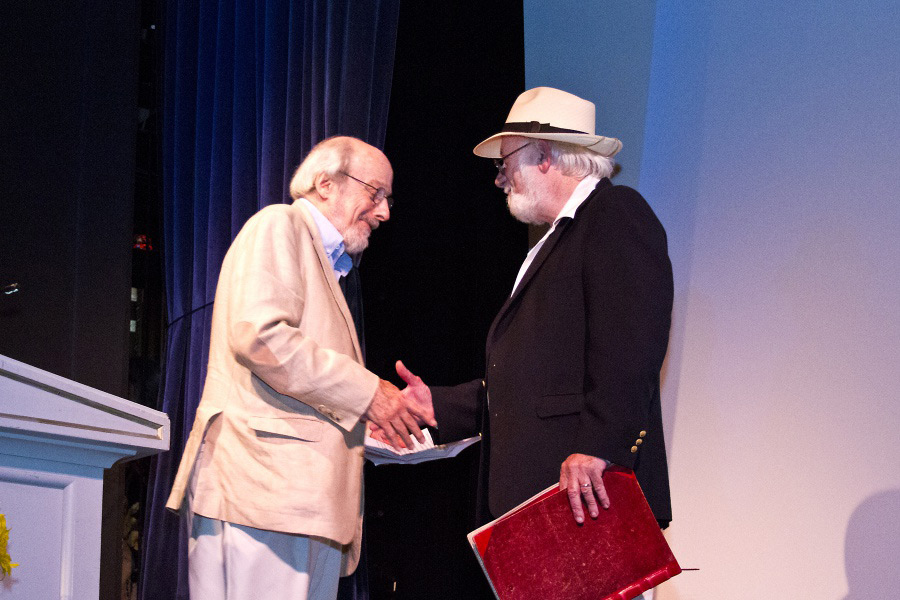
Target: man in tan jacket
[272,471]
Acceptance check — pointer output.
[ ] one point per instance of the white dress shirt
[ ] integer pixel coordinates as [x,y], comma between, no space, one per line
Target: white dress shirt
[579,195]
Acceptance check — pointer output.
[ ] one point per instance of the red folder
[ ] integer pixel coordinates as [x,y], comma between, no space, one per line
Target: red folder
[537,551]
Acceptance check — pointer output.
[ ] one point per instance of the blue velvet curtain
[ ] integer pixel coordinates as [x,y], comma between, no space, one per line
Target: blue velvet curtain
[249,88]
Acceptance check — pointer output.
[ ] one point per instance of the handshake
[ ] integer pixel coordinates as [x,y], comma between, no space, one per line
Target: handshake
[396,416]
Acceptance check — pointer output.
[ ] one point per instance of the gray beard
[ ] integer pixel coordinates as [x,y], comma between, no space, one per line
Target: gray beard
[524,207]
[356,239]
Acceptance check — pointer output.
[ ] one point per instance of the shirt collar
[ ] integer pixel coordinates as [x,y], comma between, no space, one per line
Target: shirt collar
[579,195]
[332,240]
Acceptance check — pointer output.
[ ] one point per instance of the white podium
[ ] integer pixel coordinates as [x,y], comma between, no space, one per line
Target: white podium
[56,438]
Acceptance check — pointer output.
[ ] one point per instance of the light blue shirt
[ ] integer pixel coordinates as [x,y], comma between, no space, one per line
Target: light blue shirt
[332,240]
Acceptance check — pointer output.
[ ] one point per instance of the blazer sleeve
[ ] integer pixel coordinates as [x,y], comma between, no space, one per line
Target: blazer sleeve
[628,298]
[273,269]
[458,410]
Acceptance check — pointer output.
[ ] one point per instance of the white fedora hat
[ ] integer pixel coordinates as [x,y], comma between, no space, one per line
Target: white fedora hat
[550,114]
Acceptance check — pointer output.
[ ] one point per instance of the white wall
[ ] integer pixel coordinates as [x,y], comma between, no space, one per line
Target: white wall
[770,149]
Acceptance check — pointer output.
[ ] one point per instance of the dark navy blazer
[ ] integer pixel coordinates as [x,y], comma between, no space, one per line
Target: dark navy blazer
[573,358]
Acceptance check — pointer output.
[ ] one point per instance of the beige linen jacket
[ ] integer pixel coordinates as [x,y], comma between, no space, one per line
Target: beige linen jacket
[285,390]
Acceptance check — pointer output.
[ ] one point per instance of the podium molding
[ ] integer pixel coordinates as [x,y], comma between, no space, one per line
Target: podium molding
[56,439]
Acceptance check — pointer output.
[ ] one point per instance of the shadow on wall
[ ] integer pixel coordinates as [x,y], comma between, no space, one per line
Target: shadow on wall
[872,546]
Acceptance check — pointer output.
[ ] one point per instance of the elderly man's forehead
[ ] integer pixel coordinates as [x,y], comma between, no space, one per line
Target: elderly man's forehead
[365,152]
[373,158]
[372,166]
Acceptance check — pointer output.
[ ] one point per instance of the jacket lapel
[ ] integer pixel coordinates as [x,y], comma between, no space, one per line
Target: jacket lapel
[542,255]
[538,261]
[533,268]
[328,273]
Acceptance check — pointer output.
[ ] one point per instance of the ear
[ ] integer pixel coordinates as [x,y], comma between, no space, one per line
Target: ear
[325,186]
[545,160]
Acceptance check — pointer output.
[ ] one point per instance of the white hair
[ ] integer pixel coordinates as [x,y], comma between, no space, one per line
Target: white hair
[330,156]
[579,162]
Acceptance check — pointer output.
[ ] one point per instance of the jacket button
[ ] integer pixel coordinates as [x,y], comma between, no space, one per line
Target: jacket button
[642,434]
[638,442]
[633,449]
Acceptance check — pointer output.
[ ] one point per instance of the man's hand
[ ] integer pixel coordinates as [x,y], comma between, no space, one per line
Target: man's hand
[581,477]
[417,399]
[391,415]
[394,415]
[418,395]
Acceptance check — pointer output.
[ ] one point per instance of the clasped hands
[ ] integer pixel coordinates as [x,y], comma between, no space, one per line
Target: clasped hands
[396,416]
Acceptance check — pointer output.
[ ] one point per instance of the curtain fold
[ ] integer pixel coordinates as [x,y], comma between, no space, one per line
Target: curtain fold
[248,89]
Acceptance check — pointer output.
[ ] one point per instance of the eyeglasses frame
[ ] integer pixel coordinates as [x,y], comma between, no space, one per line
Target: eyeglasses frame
[379,195]
[500,162]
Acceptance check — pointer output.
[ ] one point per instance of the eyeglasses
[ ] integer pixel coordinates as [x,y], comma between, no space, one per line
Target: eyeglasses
[498,162]
[380,193]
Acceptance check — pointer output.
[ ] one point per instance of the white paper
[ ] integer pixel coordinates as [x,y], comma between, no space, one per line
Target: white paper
[385,454]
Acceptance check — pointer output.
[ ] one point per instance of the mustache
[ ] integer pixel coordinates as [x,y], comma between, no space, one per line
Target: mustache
[372,222]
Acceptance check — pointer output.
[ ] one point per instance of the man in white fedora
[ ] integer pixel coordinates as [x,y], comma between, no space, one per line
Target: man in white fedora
[271,475]
[574,355]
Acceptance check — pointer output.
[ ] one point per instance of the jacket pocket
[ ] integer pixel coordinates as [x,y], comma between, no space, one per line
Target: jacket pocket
[301,428]
[559,404]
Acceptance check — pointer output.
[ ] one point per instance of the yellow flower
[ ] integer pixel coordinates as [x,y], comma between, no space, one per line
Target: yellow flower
[5,562]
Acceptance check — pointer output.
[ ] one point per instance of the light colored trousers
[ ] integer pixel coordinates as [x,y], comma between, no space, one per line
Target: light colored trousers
[233,562]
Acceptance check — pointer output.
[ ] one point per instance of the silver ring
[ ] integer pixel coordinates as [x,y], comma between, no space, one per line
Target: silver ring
[586,485]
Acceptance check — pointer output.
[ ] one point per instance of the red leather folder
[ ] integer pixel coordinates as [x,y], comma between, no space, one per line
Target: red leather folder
[537,551]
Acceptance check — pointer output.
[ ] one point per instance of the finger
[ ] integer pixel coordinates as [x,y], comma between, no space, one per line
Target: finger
[425,418]
[563,479]
[392,438]
[402,431]
[575,503]
[377,433]
[405,374]
[600,491]
[587,491]
[422,414]
[413,427]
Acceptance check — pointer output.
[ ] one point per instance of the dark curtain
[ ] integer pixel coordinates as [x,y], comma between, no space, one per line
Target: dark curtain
[249,88]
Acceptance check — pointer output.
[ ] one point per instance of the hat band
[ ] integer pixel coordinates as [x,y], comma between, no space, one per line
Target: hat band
[536,127]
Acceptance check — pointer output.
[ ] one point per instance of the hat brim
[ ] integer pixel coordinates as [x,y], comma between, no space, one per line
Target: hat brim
[604,146]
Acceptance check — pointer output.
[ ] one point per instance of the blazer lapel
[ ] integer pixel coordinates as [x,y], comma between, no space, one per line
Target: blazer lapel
[542,255]
[533,268]
[328,272]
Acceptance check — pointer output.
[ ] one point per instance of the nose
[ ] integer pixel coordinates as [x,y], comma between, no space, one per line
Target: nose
[381,211]
[500,180]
